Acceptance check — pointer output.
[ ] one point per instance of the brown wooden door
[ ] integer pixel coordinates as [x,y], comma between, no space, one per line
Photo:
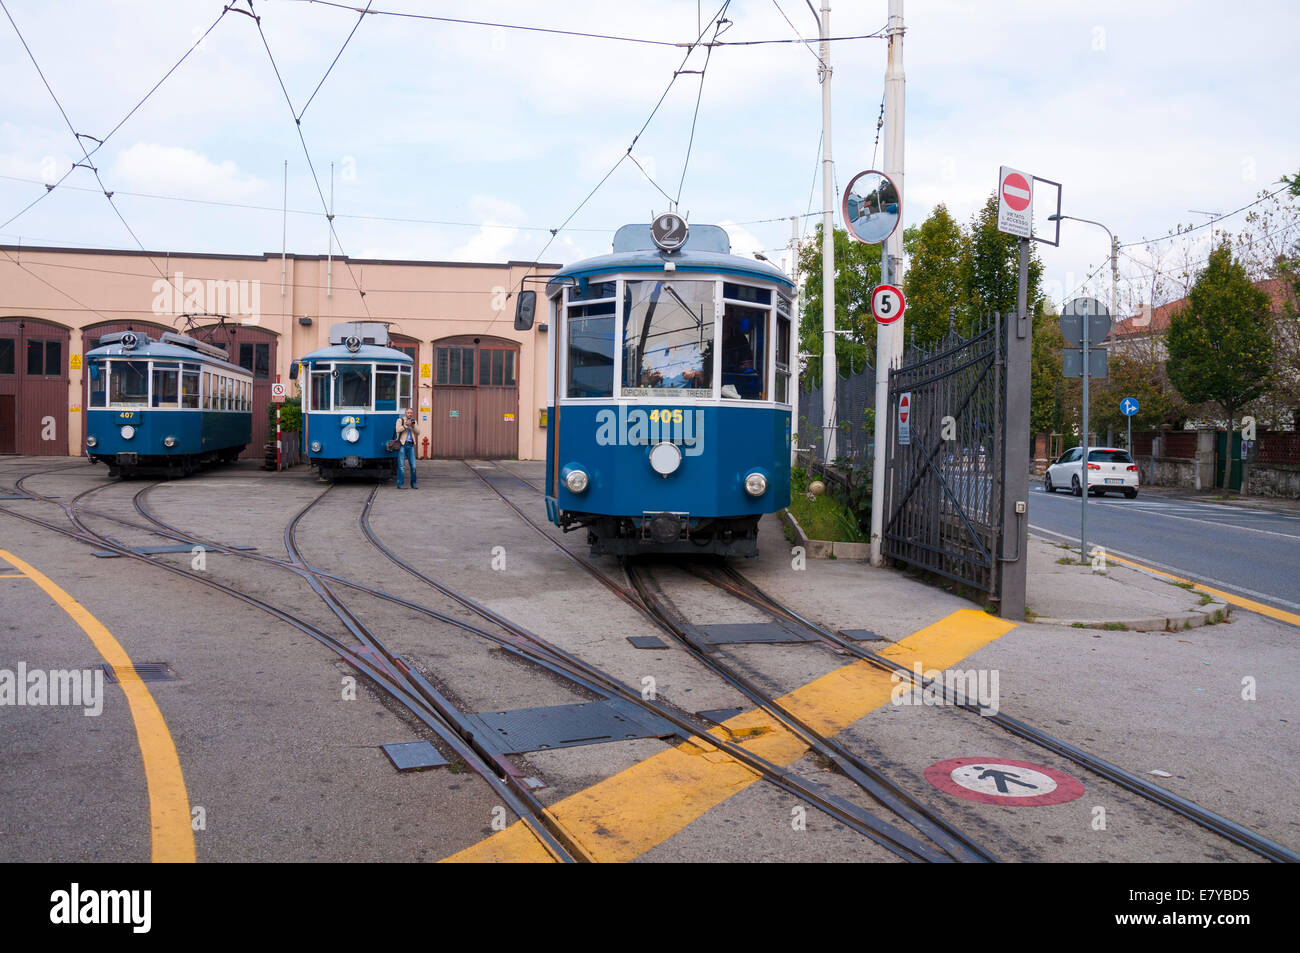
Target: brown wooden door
[475,398]
[34,373]
[8,423]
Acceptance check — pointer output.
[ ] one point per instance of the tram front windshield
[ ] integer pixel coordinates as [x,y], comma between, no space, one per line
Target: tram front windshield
[128,384]
[352,388]
[668,338]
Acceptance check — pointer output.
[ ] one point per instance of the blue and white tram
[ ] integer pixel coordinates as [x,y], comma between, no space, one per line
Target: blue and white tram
[165,407]
[355,389]
[670,385]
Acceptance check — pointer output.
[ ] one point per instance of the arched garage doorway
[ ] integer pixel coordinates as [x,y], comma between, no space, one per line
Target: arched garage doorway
[475,397]
[33,386]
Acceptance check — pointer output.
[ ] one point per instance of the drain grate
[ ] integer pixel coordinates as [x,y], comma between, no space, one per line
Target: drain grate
[139,672]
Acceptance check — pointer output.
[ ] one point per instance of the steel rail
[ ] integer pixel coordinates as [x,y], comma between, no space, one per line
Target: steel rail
[951,840]
[1216,823]
[385,677]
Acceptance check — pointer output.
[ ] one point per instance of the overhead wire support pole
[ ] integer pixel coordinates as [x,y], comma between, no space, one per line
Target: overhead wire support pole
[830,373]
[889,337]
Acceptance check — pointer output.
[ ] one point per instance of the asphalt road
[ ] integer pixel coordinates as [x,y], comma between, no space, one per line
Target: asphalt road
[1254,553]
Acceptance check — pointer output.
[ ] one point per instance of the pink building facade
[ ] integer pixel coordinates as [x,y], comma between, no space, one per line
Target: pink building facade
[454,318]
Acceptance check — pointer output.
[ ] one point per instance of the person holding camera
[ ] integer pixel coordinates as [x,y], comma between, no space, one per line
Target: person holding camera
[406,434]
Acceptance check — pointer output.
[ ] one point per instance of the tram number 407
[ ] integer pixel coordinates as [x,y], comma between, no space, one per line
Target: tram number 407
[667,416]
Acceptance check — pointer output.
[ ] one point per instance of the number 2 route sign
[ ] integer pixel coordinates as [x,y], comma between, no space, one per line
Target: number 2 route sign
[887,304]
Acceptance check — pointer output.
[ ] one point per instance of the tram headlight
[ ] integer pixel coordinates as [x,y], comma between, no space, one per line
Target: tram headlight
[92,441]
[665,458]
[315,446]
[575,480]
[169,442]
[127,431]
[755,484]
[352,435]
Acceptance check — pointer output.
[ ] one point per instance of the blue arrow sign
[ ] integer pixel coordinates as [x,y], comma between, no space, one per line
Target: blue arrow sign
[1128,406]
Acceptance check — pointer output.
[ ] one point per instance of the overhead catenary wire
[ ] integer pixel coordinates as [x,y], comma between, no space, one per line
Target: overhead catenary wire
[121,122]
[330,69]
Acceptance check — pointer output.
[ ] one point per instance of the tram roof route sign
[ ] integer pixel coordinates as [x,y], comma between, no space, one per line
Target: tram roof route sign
[1015,203]
[1003,781]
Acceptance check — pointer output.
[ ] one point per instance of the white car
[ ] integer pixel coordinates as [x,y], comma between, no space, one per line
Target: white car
[1109,470]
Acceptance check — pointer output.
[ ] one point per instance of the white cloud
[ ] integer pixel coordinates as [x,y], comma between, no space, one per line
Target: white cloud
[151,167]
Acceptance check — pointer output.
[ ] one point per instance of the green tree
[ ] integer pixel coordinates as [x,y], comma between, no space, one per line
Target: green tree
[1047,400]
[991,268]
[1134,374]
[1221,341]
[857,272]
[933,287]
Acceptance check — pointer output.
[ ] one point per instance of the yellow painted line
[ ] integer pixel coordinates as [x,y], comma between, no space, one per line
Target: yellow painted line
[625,815]
[1262,608]
[169,805]
[16,575]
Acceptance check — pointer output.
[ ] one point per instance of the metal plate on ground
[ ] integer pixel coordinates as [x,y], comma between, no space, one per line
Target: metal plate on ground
[414,756]
[741,633]
[568,726]
[647,642]
[861,635]
[144,672]
[174,548]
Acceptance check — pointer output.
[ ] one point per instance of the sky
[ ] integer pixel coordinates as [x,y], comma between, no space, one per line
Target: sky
[455,142]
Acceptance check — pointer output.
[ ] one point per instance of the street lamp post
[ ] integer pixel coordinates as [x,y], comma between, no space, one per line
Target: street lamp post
[1114,298]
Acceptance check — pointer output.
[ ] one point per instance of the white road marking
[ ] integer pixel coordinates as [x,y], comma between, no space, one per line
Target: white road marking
[1178,570]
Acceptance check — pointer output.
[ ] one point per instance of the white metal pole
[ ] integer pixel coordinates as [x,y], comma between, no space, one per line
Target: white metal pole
[889,338]
[794,342]
[830,374]
[284,227]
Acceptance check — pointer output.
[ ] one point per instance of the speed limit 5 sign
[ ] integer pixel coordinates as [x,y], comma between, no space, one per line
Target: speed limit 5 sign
[887,304]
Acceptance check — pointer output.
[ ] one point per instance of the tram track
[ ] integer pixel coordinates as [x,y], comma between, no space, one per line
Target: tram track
[389,673]
[731,580]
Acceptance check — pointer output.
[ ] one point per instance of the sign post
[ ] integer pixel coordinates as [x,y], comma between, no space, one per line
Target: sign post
[1128,407]
[277,395]
[1085,321]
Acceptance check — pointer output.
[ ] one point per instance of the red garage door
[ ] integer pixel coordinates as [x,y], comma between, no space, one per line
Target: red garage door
[475,398]
[34,378]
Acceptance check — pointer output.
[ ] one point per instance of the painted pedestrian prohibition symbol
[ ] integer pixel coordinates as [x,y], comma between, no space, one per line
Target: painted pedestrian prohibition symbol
[1002,781]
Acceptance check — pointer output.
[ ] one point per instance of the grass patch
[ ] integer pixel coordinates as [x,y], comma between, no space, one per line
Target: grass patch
[1115,627]
[823,517]
[1070,561]
[1077,625]
[1205,599]
[1181,585]
[1031,615]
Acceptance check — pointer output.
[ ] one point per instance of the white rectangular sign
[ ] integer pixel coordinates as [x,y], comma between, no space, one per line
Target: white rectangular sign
[905,419]
[1015,202]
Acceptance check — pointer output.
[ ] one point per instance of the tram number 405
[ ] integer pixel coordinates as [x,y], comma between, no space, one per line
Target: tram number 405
[667,416]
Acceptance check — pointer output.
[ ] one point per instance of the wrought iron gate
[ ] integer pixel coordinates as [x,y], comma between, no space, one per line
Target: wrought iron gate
[944,510]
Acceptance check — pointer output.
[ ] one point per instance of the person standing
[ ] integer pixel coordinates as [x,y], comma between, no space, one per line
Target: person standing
[407,434]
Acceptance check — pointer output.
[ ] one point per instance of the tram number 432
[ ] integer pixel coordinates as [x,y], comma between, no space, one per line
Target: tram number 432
[667,416]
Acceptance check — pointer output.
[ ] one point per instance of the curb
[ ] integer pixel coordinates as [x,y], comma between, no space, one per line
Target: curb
[1192,619]
[824,548]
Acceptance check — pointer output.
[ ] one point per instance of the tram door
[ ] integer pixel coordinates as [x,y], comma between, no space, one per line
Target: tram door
[475,398]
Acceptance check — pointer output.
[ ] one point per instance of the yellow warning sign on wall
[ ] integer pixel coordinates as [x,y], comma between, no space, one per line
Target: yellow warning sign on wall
[426,370]
[74,362]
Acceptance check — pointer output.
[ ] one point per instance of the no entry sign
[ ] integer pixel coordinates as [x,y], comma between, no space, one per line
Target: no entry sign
[905,419]
[1015,202]
[1003,781]
[887,304]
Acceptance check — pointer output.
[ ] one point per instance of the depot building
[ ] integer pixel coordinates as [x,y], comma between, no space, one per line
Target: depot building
[481,384]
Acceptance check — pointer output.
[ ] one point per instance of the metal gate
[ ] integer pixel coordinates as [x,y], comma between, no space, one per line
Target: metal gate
[945,463]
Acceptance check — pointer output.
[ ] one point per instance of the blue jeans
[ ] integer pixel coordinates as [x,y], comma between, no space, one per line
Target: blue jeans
[403,452]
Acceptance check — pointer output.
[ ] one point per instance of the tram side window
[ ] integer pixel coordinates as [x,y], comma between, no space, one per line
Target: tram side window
[353,388]
[129,384]
[782,359]
[744,352]
[98,384]
[190,388]
[591,350]
[386,387]
[164,387]
[320,389]
[404,393]
[6,355]
[668,338]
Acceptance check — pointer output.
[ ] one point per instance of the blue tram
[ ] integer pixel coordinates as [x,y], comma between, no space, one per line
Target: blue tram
[356,389]
[166,406]
[670,385]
